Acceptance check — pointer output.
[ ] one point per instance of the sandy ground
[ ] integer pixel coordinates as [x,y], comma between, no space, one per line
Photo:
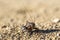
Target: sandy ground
[14,13]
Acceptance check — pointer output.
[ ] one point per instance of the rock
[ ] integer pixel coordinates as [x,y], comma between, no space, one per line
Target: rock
[58,34]
[56,20]
[0,36]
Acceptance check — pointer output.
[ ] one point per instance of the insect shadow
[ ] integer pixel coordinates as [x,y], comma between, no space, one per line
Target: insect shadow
[44,31]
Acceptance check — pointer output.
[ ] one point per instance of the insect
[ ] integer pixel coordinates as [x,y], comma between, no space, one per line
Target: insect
[30,26]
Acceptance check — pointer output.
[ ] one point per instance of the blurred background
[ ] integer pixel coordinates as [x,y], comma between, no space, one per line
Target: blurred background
[33,10]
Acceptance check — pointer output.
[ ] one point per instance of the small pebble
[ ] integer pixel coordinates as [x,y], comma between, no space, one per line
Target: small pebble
[4,26]
[0,36]
[42,39]
[56,20]
[58,34]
